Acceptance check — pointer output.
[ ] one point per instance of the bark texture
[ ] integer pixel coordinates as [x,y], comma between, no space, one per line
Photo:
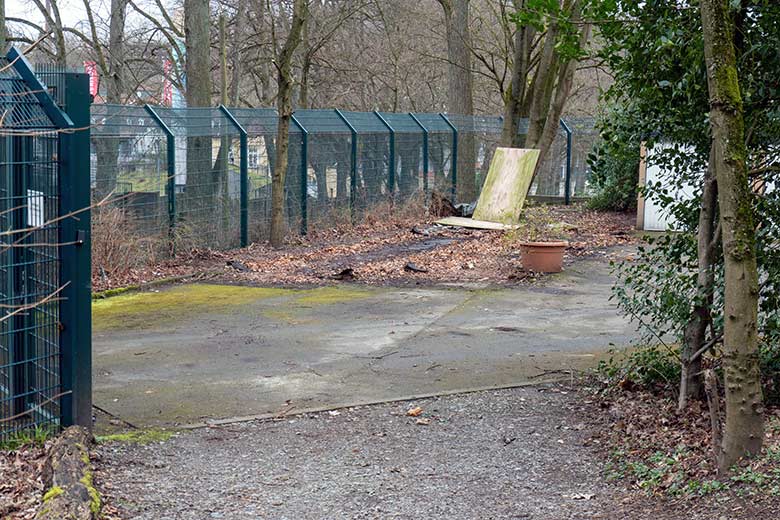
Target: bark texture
[284,107]
[515,102]
[743,432]
[200,186]
[113,67]
[695,333]
[460,93]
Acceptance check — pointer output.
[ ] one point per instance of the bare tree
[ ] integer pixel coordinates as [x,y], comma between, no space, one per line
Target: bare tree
[197,37]
[461,84]
[541,80]
[285,84]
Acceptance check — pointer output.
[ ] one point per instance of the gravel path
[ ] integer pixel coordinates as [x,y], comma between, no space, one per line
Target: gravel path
[510,454]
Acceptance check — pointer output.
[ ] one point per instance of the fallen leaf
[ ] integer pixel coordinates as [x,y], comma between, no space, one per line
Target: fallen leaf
[414,412]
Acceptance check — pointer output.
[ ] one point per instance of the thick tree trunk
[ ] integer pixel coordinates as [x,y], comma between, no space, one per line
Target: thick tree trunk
[542,88]
[201,187]
[695,335]
[116,52]
[513,107]
[743,433]
[460,97]
[285,109]
[107,149]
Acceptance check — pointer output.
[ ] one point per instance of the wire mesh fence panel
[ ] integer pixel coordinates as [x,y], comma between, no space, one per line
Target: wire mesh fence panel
[407,174]
[328,173]
[585,137]
[551,173]
[340,164]
[440,141]
[261,126]
[207,182]
[478,138]
[129,175]
[373,159]
[30,380]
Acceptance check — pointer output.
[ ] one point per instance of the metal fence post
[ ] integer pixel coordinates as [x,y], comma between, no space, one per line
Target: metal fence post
[391,162]
[425,153]
[454,167]
[353,165]
[75,257]
[304,175]
[243,173]
[567,176]
[170,185]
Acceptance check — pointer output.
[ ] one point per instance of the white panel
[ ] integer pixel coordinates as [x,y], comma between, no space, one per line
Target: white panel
[656,218]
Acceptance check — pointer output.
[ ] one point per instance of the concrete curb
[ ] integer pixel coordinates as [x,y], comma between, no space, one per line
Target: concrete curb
[67,475]
[293,411]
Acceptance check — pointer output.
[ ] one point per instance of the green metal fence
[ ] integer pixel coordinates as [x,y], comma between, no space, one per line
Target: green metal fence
[45,344]
[202,176]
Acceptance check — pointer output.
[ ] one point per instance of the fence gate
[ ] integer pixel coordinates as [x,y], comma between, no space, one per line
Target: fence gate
[45,322]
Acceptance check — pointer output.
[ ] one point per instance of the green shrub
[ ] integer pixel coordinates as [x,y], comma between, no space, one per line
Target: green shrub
[649,368]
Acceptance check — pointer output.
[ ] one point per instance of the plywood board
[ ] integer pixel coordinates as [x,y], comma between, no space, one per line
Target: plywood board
[475,224]
[506,185]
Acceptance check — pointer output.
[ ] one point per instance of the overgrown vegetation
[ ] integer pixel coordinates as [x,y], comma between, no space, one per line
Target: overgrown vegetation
[36,436]
[615,163]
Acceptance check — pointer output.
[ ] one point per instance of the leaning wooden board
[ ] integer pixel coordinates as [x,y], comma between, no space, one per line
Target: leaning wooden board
[504,191]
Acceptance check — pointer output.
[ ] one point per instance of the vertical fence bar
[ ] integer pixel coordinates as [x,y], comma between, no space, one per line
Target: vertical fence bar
[454,167]
[353,165]
[75,257]
[391,163]
[304,175]
[170,185]
[425,154]
[243,173]
[567,176]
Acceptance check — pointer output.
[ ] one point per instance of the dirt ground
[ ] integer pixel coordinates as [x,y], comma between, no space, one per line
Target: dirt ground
[21,482]
[524,453]
[377,252]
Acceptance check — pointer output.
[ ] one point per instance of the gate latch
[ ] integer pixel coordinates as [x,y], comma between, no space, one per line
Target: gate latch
[81,235]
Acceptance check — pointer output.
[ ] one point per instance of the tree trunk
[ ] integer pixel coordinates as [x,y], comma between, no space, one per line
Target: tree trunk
[107,149]
[743,433]
[460,98]
[285,109]
[542,88]
[513,108]
[695,334]
[201,187]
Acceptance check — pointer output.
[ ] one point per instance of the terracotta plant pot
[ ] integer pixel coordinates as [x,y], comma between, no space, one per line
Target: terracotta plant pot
[543,257]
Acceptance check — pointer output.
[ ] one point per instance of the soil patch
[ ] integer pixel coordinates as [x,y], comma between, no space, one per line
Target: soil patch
[380,251]
[21,485]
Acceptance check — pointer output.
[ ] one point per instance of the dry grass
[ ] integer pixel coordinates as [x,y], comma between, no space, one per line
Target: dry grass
[117,246]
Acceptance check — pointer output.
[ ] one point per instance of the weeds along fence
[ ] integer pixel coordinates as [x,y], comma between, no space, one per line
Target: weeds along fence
[187,177]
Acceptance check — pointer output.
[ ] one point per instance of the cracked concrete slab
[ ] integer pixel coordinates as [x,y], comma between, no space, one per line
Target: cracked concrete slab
[194,353]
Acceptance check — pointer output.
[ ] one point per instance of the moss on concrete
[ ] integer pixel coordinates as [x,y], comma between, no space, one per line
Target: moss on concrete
[332,294]
[156,309]
[137,436]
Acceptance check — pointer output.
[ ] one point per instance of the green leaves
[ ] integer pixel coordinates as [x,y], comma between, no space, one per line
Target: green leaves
[544,14]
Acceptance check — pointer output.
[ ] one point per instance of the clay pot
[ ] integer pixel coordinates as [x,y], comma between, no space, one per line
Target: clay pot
[543,257]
